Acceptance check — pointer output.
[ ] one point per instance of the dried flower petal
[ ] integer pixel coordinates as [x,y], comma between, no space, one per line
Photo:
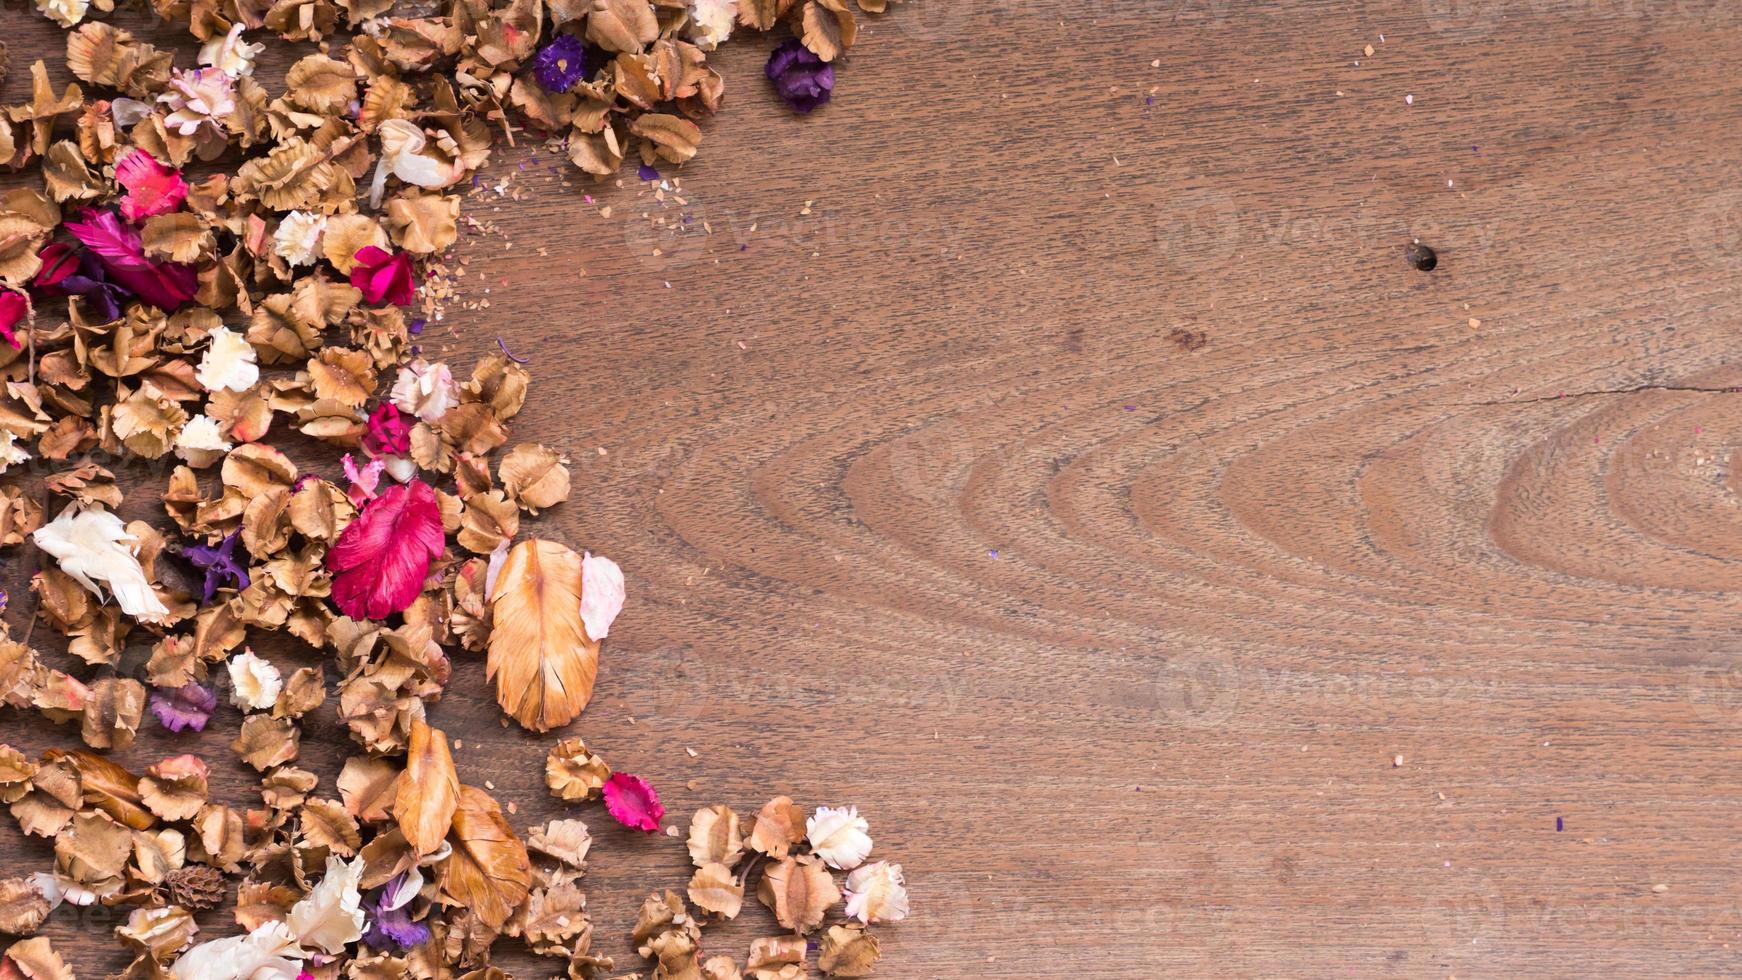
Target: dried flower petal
[839,836]
[877,893]
[183,708]
[633,802]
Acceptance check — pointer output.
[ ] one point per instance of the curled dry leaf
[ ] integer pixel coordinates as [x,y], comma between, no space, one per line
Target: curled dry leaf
[36,959]
[674,138]
[566,840]
[534,477]
[488,871]
[778,826]
[573,773]
[800,891]
[848,952]
[429,792]
[22,906]
[715,837]
[776,951]
[540,656]
[829,28]
[714,889]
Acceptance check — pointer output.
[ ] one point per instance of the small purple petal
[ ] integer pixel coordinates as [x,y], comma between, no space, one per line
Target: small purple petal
[181,708]
[803,80]
[219,563]
[647,172]
[392,928]
[561,64]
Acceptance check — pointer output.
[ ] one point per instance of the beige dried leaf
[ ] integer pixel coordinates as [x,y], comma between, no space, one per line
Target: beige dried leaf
[779,825]
[721,968]
[179,237]
[674,138]
[849,951]
[540,657]
[265,741]
[762,15]
[368,786]
[22,907]
[159,932]
[829,28]
[622,25]
[176,788]
[715,837]
[566,840]
[36,959]
[714,889]
[488,522]
[488,872]
[573,773]
[429,792]
[534,477]
[800,891]
[326,824]
[775,951]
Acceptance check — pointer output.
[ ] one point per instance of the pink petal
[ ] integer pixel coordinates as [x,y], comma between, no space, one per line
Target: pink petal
[381,560]
[152,188]
[602,594]
[632,802]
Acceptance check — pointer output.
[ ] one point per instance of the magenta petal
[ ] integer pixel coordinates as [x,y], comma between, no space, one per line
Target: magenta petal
[165,285]
[152,188]
[381,560]
[13,310]
[632,802]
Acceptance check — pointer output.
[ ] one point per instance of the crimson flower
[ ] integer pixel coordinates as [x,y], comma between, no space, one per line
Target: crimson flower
[388,435]
[633,802]
[383,276]
[13,310]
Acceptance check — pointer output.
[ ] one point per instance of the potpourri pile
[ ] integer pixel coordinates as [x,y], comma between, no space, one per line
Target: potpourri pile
[209,265]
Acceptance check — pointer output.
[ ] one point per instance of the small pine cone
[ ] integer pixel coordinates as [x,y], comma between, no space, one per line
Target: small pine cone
[197,887]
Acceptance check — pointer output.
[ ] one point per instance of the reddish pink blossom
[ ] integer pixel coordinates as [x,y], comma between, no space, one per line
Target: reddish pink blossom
[152,188]
[166,285]
[13,311]
[388,435]
[381,560]
[633,802]
[58,262]
[384,277]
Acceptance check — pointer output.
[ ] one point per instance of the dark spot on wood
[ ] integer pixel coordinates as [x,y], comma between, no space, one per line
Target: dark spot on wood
[1188,339]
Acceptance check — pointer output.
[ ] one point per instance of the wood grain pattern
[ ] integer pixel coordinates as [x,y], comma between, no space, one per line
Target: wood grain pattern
[929,505]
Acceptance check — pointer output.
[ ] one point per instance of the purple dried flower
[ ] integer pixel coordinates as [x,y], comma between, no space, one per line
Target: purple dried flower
[219,563]
[803,80]
[390,923]
[561,64]
[181,708]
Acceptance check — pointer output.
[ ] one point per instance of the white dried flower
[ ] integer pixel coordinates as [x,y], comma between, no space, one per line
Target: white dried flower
[254,682]
[201,440]
[230,54]
[425,390]
[839,837]
[267,953]
[331,917]
[94,548]
[11,453]
[298,238]
[711,22]
[228,363]
[66,13]
[877,893]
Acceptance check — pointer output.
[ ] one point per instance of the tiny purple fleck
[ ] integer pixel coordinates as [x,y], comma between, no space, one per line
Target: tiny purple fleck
[647,173]
[1131,408]
[1559,825]
[992,552]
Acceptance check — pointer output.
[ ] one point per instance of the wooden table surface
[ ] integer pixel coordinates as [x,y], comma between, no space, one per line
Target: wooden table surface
[1051,453]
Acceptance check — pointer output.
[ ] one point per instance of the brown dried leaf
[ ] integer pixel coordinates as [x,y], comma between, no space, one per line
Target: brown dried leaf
[534,477]
[22,907]
[265,741]
[800,891]
[573,773]
[622,25]
[488,872]
[540,657]
[566,840]
[849,951]
[778,826]
[368,786]
[829,28]
[429,792]
[35,959]
[715,837]
[714,889]
[674,138]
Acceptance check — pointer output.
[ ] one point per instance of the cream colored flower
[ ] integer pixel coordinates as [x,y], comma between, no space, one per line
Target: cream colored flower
[711,22]
[877,893]
[839,837]
[406,153]
[230,54]
[425,390]
[11,453]
[267,953]
[229,363]
[298,238]
[66,13]
[331,917]
[93,547]
[254,682]
[201,441]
